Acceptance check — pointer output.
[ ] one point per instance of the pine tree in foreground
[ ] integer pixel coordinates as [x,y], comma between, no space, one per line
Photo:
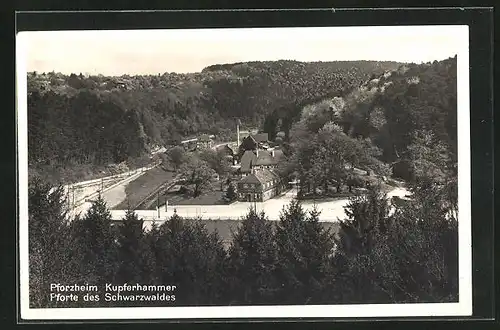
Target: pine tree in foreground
[95,245]
[49,242]
[426,251]
[304,250]
[192,259]
[133,252]
[410,256]
[253,261]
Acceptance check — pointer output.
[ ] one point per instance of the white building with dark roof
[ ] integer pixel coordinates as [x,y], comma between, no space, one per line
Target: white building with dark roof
[259,186]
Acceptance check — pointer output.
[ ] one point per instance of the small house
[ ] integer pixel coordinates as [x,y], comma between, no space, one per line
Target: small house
[259,186]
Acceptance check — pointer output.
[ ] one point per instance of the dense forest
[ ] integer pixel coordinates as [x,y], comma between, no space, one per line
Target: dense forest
[78,124]
[401,123]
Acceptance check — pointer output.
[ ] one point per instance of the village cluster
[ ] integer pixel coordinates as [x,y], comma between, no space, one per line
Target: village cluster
[254,162]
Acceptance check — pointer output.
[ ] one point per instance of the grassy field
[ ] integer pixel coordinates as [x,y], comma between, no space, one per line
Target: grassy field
[138,189]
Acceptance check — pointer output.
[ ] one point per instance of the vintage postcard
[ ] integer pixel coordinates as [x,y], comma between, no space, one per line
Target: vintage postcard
[244,173]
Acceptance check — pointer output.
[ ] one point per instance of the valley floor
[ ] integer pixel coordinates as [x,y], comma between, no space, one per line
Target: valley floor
[331,210]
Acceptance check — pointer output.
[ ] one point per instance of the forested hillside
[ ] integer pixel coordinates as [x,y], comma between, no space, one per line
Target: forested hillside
[405,117]
[85,122]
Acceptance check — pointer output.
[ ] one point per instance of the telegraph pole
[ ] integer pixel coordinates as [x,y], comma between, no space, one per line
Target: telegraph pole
[158,203]
[68,200]
[238,123]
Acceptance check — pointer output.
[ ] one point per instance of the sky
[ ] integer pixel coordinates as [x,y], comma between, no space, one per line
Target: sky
[131,52]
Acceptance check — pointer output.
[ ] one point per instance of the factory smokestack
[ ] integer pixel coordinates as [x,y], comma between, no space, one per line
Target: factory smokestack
[238,132]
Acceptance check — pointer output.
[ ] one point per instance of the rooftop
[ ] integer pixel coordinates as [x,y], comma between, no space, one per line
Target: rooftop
[260,176]
[264,157]
[260,137]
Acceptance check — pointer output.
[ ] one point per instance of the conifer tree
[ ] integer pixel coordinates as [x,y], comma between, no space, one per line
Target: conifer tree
[363,258]
[151,239]
[133,252]
[192,259]
[409,256]
[304,249]
[208,273]
[367,219]
[231,193]
[253,261]
[426,250]
[96,245]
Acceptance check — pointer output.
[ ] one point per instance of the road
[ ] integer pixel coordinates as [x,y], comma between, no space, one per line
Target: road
[331,210]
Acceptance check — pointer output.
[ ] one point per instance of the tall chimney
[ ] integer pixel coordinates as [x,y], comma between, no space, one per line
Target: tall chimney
[238,132]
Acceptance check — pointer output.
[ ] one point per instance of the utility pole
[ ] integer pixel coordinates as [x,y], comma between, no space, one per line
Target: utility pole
[238,132]
[158,203]
[254,203]
[68,201]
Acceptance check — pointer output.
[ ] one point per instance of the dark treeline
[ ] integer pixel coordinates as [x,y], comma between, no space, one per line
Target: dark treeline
[384,253]
[80,123]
